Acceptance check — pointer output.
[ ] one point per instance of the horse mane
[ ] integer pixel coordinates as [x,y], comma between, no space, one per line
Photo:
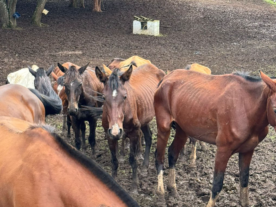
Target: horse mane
[93,167]
[246,76]
[113,80]
[51,105]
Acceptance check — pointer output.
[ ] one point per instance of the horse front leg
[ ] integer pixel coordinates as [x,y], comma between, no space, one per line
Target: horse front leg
[244,163]
[134,137]
[83,127]
[76,128]
[113,149]
[69,124]
[179,141]
[92,135]
[222,156]
[148,138]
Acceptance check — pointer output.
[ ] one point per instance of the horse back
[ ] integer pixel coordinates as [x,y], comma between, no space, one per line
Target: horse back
[203,105]
[17,101]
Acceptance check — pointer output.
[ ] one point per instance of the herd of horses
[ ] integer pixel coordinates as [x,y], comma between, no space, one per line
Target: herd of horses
[39,168]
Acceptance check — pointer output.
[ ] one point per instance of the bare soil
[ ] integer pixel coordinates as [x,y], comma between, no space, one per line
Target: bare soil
[223,35]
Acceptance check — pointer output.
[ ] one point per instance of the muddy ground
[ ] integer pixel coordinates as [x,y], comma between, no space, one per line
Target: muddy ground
[223,35]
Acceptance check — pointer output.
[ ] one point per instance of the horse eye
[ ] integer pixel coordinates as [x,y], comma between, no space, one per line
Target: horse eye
[125,97]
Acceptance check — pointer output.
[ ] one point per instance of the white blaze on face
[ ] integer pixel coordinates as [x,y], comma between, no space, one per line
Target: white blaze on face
[115,129]
[59,88]
[114,94]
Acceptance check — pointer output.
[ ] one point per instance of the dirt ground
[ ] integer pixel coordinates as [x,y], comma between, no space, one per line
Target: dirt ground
[223,35]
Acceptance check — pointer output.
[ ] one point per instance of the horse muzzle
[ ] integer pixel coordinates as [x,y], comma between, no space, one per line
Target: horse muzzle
[115,132]
[73,111]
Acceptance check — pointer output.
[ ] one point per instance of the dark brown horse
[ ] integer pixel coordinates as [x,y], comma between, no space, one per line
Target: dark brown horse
[38,168]
[60,90]
[231,111]
[19,102]
[43,85]
[128,106]
[82,88]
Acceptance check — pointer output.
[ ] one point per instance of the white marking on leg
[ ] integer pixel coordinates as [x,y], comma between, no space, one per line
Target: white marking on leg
[114,94]
[160,187]
[244,196]
[212,201]
[172,178]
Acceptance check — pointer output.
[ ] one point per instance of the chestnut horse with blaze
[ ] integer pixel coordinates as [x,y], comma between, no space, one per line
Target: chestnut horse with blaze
[38,168]
[128,106]
[230,111]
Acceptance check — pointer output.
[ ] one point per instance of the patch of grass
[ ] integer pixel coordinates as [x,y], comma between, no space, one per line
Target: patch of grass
[270,2]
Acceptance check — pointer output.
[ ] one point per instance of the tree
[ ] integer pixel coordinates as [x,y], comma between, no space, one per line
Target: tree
[36,19]
[7,9]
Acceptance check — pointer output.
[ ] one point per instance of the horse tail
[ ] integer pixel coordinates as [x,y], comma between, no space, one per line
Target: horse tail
[51,105]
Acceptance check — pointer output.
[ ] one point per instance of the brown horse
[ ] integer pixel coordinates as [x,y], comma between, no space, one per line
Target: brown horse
[82,88]
[205,70]
[38,168]
[231,111]
[128,106]
[43,85]
[60,90]
[19,102]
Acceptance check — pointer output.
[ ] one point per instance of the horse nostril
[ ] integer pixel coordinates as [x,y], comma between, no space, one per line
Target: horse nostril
[120,132]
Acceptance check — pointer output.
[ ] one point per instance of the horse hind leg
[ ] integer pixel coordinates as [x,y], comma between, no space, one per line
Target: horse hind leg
[173,153]
[193,153]
[244,163]
[163,121]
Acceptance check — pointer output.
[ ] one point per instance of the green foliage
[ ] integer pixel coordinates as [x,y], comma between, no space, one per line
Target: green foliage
[270,2]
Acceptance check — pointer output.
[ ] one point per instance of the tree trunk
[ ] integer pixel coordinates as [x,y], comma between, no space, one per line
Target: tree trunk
[6,13]
[77,3]
[36,19]
[97,6]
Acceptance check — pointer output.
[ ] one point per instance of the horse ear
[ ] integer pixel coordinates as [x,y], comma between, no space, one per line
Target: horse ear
[126,75]
[100,75]
[32,71]
[50,70]
[61,68]
[107,70]
[60,80]
[269,82]
[83,68]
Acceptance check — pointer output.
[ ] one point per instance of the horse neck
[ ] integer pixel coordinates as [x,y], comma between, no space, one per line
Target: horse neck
[84,189]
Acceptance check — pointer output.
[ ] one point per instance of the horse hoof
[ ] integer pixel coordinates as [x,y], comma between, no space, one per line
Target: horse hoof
[144,171]
[192,165]
[121,159]
[134,191]
[173,192]
[140,156]
[160,200]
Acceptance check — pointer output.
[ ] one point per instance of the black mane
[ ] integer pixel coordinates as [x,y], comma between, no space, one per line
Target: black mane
[95,169]
[247,77]
[51,105]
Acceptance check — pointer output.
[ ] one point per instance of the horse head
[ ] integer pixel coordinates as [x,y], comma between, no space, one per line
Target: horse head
[42,81]
[271,100]
[115,95]
[72,81]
